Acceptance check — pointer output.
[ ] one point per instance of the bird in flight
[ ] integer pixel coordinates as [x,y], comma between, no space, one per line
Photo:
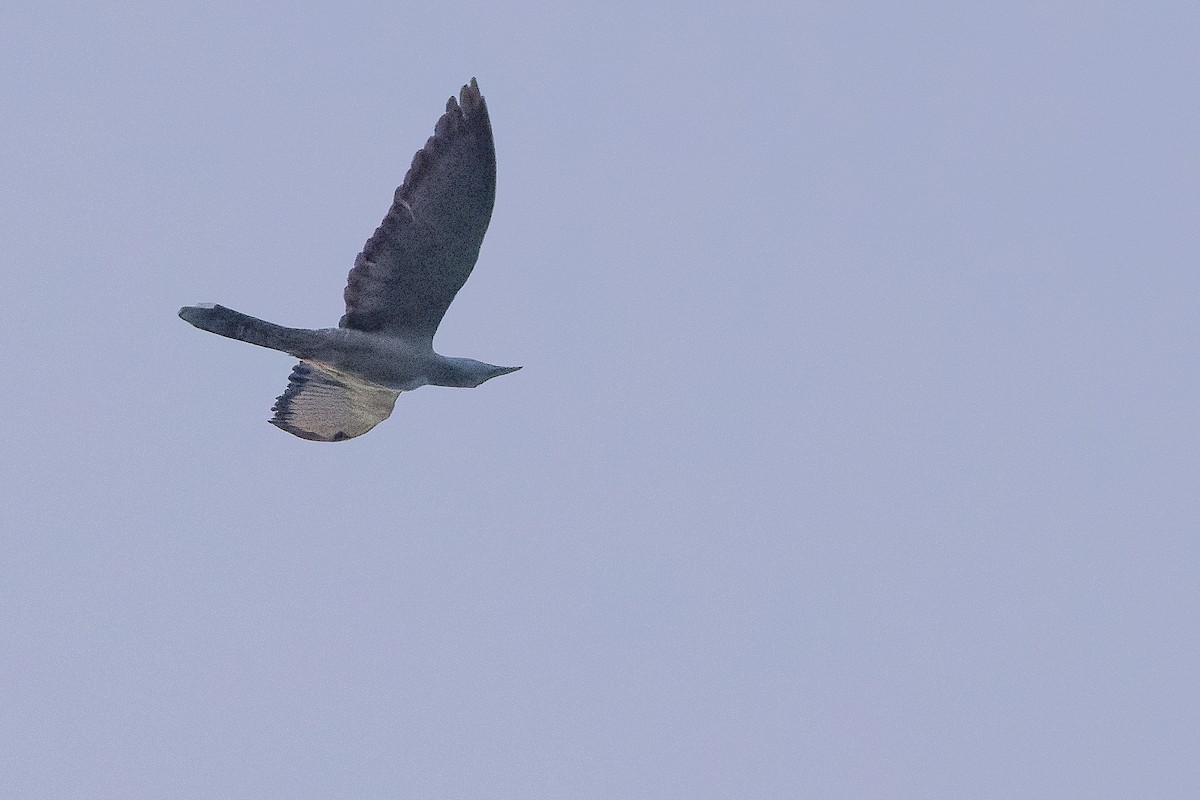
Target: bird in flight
[402,282]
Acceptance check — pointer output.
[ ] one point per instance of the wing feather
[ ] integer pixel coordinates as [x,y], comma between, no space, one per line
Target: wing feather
[420,256]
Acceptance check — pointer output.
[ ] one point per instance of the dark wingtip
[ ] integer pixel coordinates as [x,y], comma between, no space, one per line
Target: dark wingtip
[194,315]
[469,96]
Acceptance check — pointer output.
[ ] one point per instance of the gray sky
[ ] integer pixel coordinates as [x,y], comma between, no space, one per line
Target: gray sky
[855,453]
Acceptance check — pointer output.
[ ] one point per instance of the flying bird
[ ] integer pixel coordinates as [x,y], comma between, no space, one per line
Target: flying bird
[402,282]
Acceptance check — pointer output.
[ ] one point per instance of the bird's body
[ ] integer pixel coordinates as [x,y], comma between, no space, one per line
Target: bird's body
[349,377]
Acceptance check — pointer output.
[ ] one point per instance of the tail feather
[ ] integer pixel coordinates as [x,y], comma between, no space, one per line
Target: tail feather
[324,407]
[243,327]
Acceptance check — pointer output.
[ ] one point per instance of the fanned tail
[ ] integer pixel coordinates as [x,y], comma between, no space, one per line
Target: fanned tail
[323,407]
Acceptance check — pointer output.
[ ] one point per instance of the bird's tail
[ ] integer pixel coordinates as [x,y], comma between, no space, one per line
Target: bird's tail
[236,325]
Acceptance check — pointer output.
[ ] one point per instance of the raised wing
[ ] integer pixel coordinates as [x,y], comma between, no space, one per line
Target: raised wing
[327,407]
[409,271]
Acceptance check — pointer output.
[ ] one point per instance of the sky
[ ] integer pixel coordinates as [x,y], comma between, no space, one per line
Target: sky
[854,454]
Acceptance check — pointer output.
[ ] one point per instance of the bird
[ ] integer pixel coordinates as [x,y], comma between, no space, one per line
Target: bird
[402,282]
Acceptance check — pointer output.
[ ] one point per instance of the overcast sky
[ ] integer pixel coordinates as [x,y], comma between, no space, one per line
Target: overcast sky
[855,454]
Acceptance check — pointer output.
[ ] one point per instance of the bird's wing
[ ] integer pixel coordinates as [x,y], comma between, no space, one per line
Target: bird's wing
[409,271]
[327,407]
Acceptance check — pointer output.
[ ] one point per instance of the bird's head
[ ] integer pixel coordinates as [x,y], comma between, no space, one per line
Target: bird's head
[469,373]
